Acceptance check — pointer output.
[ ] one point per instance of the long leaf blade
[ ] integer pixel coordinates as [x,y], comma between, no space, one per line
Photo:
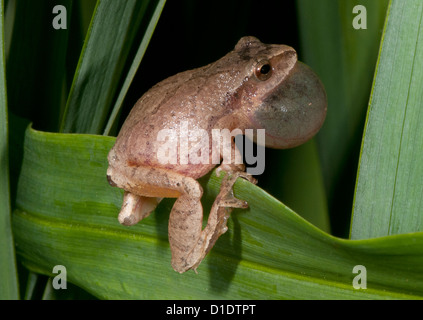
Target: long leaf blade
[112,122]
[8,272]
[388,198]
[101,63]
[345,59]
[36,63]
[68,213]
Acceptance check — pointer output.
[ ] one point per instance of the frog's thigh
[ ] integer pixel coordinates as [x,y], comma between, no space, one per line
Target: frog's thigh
[153,182]
[145,187]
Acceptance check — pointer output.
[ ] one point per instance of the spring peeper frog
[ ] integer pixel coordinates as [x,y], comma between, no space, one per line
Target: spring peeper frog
[256,86]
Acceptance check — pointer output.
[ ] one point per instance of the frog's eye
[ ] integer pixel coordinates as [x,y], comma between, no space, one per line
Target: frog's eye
[263,70]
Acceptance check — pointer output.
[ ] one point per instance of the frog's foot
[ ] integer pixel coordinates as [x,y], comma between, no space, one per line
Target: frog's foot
[135,208]
[235,171]
[185,224]
[224,203]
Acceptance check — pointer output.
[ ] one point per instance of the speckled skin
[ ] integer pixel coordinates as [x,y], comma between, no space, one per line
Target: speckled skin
[229,93]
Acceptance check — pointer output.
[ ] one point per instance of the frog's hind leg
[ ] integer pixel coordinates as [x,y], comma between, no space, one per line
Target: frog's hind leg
[144,188]
[188,242]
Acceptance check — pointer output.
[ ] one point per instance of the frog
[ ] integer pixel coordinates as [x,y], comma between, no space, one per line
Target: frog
[255,86]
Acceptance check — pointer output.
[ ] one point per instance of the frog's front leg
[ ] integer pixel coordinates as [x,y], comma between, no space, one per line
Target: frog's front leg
[188,242]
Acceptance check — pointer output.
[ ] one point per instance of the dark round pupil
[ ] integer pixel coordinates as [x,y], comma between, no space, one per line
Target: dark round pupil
[265,69]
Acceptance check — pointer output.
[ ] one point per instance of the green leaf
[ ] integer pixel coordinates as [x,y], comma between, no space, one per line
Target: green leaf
[113,28]
[8,273]
[345,60]
[297,181]
[31,284]
[388,198]
[37,62]
[67,215]
[112,122]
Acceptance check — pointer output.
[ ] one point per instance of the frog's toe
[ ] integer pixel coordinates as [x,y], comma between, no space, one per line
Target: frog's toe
[247,177]
[234,172]
[232,202]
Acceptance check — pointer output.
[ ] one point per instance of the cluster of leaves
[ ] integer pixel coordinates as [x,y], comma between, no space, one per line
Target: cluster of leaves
[64,212]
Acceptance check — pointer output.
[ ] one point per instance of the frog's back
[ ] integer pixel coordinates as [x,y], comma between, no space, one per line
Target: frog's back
[187,99]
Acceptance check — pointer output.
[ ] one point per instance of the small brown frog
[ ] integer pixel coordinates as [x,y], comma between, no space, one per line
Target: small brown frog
[255,86]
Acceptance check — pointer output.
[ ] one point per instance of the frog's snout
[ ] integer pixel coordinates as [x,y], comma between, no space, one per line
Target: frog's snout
[111,182]
[295,110]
